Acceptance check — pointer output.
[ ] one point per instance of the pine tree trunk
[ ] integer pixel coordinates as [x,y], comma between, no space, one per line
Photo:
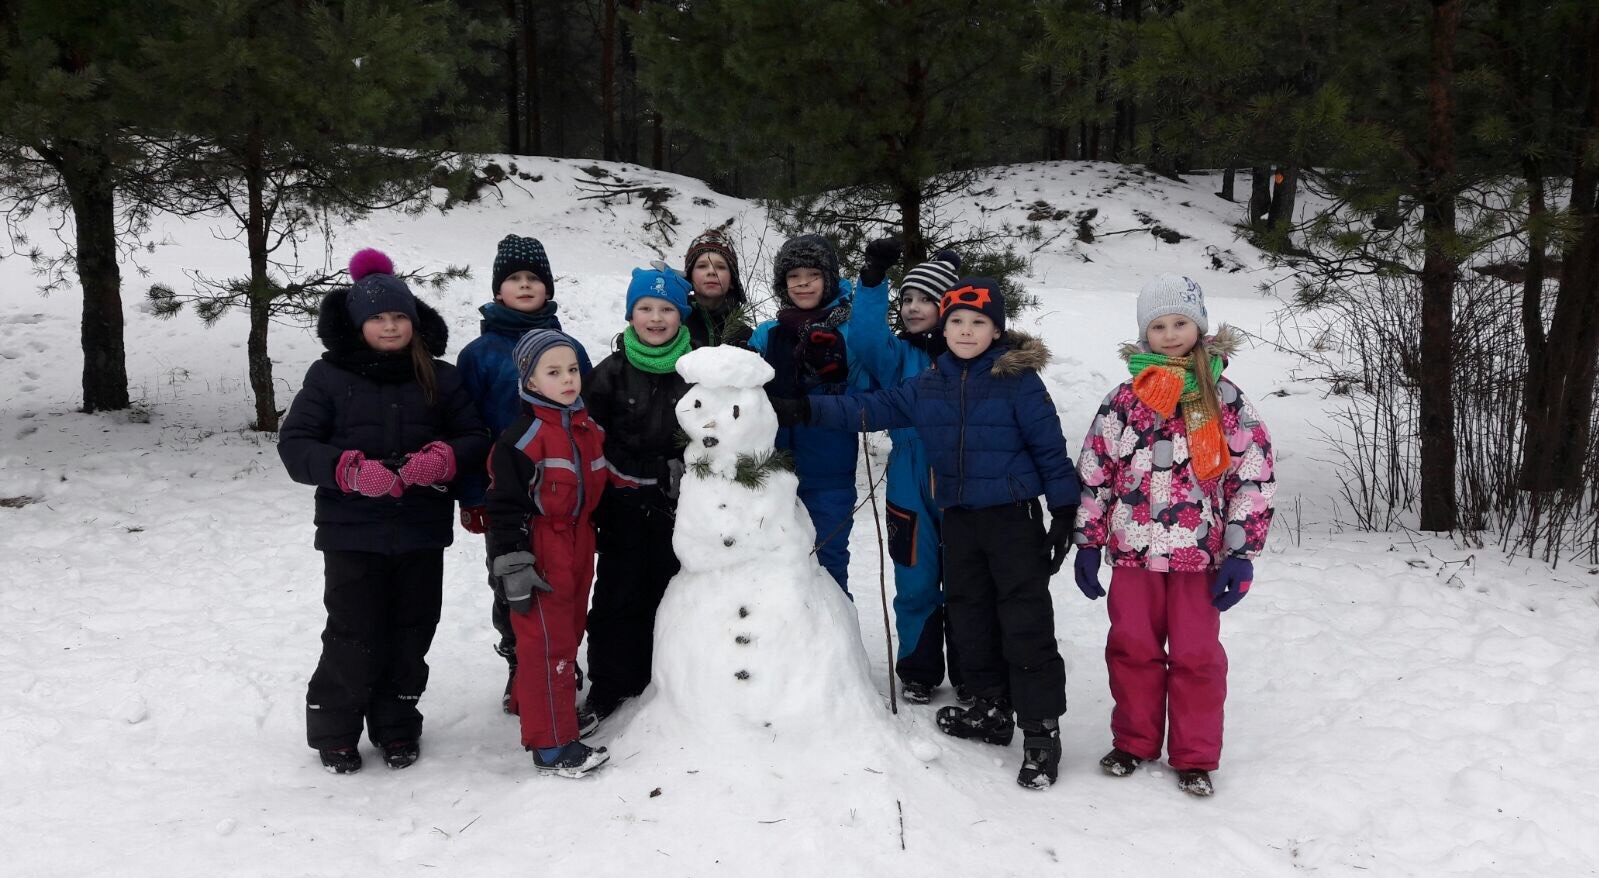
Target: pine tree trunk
[1229,180]
[530,88]
[658,144]
[608,78]
[513,114]
[86,172]
[257,228]
[910,217]
[1558,398]
[1284,193]
[1437,404]
[1259,195]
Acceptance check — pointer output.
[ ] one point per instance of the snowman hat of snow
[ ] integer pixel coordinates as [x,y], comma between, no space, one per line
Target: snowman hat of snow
[724,366]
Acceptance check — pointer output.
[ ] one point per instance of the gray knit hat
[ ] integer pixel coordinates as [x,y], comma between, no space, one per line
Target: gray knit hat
[530,347]
[934,278]
[806,251]
[1171,294]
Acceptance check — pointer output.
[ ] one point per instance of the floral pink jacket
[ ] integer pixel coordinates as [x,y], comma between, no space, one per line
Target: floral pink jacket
[1140,497]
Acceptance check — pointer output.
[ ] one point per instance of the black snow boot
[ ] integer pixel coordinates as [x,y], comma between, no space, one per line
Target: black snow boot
[1040,753]
[509,654]
[341,760]
[1195,782]
[587,720]
[988,720]
[400,754]
[963,695]
[575,760]
[1119,763]
[915,693]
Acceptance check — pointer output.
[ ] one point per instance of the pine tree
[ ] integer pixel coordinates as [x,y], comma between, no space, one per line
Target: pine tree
[291,105]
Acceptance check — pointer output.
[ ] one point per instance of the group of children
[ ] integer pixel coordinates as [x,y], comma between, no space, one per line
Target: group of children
[570,471]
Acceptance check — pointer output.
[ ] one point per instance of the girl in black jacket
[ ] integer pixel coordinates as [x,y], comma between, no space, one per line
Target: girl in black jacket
[381,428]
[633,394]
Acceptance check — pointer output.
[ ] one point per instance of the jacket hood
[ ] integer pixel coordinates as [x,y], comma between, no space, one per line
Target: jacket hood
[338,332]
[1225,343]
[1026,354]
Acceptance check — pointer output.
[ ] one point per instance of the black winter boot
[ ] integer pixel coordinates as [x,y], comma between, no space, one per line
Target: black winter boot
[1195,782]
[915,693]
[341,760]
[1119,763]
[1040,753]
[988,720]
[587,720]
[509,654]
[400,754]
[575,760]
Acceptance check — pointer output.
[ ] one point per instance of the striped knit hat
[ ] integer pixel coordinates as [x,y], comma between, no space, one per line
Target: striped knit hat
[530,347]
[934,278]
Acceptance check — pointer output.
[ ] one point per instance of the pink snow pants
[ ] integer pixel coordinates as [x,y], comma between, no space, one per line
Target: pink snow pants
[1167,666]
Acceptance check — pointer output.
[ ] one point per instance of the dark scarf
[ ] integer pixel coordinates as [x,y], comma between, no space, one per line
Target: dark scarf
[510,321]
[930,342]
[380,367]
[818,353]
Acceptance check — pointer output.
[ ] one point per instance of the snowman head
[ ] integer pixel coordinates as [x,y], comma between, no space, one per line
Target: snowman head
[725,413]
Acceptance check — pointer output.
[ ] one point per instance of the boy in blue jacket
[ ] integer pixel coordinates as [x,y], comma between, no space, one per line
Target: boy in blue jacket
[524,299]
[890,357]
[994,441]
[807,348]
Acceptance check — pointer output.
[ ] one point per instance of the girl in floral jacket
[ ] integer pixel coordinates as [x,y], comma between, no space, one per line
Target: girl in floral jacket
[1177,483]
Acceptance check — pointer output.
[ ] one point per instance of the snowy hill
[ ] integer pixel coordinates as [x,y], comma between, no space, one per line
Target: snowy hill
[1400,705]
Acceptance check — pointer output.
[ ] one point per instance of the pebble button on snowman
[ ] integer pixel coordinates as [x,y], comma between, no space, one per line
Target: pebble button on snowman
[752,632]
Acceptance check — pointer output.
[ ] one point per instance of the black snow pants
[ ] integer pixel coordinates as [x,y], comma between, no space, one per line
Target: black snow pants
[382,612]
[635,562]
[996,583]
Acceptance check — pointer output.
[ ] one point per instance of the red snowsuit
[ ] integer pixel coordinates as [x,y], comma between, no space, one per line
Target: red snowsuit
[546,474]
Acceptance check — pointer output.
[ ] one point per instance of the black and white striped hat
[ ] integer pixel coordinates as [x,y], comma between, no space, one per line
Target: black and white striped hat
[933,278]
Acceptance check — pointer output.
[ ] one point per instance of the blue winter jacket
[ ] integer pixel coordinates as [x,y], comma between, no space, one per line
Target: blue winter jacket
[991,431]
[488,371]
[824,458]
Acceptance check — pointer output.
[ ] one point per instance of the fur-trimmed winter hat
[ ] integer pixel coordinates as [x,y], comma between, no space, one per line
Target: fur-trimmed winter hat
[806,251]
[375,290]
[710,241]
[933,279]
[659,282]
[517,253]
[1172,294]
[980,294]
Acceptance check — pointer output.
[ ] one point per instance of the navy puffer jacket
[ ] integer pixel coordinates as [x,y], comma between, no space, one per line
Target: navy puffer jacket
[354,399]
[991,432]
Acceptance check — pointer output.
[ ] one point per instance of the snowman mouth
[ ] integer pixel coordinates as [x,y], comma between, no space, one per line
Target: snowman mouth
[710,441]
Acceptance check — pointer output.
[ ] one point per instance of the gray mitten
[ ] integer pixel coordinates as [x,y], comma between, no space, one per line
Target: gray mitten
[518,580]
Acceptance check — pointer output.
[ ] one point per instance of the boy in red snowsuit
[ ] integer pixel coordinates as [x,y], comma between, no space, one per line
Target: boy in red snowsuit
[547,472]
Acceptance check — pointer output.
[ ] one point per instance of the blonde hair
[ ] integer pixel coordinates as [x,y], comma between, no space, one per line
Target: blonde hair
[1209,396]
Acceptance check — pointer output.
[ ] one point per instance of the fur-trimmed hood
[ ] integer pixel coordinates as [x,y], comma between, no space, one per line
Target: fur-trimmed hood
[1225,343]
[1026,354]
[339,333]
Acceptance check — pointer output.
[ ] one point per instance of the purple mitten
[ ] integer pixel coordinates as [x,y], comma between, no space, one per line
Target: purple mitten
[1232,583]
[433,465]
[1086,570]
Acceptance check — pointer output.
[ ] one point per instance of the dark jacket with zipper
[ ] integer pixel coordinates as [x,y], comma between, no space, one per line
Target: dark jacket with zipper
[356,398]
[991,431]
[638,410]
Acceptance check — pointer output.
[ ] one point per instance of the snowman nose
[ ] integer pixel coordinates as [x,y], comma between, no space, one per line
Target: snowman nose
[708,425]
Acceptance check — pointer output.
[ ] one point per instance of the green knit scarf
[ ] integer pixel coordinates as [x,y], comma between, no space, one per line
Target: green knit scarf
[1137,363]
[657,360]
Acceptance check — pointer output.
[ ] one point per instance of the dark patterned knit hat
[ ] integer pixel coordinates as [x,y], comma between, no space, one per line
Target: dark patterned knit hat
[375,289]
[517,253]
[980,294]
[806,251]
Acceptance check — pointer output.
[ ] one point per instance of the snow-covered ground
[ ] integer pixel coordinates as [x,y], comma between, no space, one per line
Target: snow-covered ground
[1400,705]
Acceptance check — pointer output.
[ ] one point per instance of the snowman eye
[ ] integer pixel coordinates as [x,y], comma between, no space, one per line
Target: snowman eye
[696,403]
[735,413]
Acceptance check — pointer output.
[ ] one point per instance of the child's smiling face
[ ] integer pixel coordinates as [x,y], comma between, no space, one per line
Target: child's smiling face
[805,287]
[918,312]
[523,291]
[1172,335]
[969,333]
[655,321]
[555,376]
[387,332]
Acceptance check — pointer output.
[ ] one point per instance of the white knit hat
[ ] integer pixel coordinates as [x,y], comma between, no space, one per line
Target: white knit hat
[1171,294]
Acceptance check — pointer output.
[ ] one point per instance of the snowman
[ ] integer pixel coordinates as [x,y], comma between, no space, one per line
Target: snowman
[753,637]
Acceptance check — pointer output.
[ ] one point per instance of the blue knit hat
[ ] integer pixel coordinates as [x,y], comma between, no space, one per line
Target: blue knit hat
[658,283]
[517,253]
[376,290]
[530,347]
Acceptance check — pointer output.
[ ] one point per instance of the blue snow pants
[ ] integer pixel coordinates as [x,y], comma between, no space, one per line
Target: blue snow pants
[832,514]
[913,543]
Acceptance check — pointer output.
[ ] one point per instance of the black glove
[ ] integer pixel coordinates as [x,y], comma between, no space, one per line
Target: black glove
[881,255]
[518,580]
[824,359]
[1061,520]
[790,412]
